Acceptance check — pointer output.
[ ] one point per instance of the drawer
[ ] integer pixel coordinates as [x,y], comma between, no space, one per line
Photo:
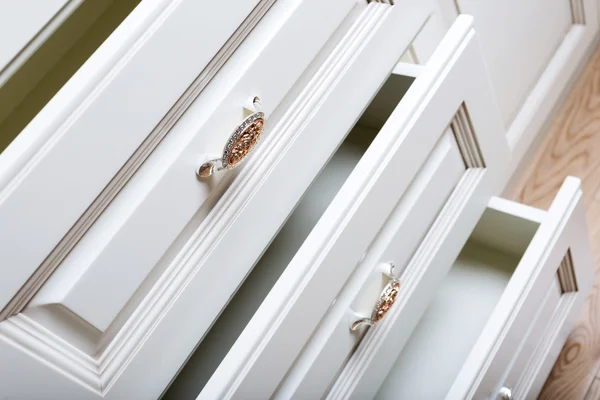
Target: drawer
[43,44]
[441,151]
[499,317]
[146,281]
[19,26]
[532,62]
[107,141]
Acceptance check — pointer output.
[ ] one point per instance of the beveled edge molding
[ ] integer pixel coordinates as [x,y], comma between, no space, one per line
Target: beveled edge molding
[548,338]
[465,137]
[100,372]
[566,275]
[93,212]
[31,336]
[577,12]
[38,39]
[389,2]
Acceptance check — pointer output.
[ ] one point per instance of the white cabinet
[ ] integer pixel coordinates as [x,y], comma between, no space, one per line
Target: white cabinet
[117,260]
[113,281]
[529,269]
[532,49]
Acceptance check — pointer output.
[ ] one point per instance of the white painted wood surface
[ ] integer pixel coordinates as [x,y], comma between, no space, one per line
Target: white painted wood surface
[563,233]
[161,326]
[332,343]
[221,336]
[450,326]
[381,344]
[20,24]
[50,55]
[552,84]
[532,59]
[518,38]
[292,310]
[502,313]
[137,206]
[81,139]
[165,194]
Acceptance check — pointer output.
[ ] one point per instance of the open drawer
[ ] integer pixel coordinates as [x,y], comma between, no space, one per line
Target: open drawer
[438,157]
[155,264]
[114,152]
[498,320]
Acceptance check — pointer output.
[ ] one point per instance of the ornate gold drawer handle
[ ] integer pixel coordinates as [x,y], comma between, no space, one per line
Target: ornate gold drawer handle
[384,303]
[241,142]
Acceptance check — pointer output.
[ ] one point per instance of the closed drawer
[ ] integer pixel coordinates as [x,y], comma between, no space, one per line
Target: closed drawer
[150,276]
[517,57]
[532,61]
[499,318]
[438,157]
[105,150]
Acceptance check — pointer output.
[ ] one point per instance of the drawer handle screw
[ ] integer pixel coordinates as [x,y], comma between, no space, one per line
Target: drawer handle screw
[241,142]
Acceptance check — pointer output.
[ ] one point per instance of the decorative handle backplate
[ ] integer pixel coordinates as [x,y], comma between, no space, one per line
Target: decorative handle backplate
[384,303]
[241,142]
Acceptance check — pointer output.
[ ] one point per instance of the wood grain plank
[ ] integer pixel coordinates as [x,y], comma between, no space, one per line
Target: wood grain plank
[572,147]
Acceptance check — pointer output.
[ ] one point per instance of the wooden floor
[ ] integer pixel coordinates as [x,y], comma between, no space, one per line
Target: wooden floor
[572,147]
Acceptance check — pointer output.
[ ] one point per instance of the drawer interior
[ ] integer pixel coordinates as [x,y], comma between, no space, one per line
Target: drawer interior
[27,83]
[242,306]
[444,337]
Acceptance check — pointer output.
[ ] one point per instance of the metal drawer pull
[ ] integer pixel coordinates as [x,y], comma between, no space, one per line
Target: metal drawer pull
[384,303]
[239,145]
[504,394]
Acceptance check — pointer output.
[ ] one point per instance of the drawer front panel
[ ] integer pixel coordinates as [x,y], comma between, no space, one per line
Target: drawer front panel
[62,161]
[531,61]
[558,255]
[297,303]
[517,375]
[160,200]
[333,342]
[516,57]
[366,368]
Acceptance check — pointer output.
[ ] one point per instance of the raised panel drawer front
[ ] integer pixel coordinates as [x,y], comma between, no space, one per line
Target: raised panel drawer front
[107,143]
[128,302]
[60,172]
[125,179]
[500,316]
[531,60]
[437,160]
[164,195]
